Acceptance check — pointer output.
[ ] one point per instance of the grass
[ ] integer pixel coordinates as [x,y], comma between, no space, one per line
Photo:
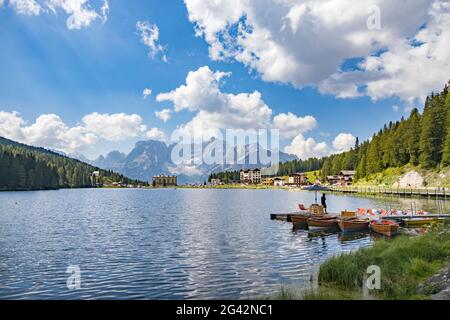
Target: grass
[391,176]
[405,262]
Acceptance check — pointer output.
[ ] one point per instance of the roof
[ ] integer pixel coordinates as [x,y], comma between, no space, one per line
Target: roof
[254,170]
[348,172]
[297,175]
[332,177]
[278,179]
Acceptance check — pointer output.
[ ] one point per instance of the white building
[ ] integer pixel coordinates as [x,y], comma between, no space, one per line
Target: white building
[216,182]
[278,182]
[250,176]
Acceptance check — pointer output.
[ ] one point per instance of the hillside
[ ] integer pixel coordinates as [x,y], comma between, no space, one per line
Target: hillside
[24,167]
[422,140]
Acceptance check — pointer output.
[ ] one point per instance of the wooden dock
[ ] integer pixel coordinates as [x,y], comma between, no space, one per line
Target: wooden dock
[445,216]
[438,193]
[283,216]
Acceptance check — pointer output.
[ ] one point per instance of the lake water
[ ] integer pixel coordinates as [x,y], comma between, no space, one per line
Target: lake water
[164,244]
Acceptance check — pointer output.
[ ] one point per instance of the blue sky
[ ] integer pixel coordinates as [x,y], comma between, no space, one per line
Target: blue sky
[49,68]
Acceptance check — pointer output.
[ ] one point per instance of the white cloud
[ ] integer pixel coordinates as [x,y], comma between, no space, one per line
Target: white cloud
[344,142]
[155,134]
[215,109]
[187,170]
[291,125]
[164,114]
[27,7]
[114,127]
[305,42]
[307,148]
[50,131]
[149,34]
[146,93]
[81,13]
[395,108]
[10,125]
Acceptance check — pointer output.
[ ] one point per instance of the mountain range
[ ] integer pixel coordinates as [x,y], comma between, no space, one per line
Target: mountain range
[150,158]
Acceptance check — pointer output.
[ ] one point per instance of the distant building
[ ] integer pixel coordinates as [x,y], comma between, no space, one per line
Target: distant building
[268,182]
[250,176]
[96,174]
[298,179]
[333,180]
[278,182]
[165,181]
[346,177]
[216,182]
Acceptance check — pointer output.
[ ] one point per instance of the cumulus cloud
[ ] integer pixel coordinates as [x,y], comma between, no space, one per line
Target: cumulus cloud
[344,142]
[164,114]
[81,13]
[215,109]
[149,34]
[155,134]
[146,93]
[114,127]
[188,170]
[50,131]
[291,125]
[305,148]
[27,7]
[279,40]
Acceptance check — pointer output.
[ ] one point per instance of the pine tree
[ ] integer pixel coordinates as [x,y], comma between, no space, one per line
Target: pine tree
[432,135]
[446,147]
[373,158]
[412,137]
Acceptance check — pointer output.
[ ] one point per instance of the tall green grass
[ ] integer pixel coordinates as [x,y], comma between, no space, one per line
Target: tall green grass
[405,262]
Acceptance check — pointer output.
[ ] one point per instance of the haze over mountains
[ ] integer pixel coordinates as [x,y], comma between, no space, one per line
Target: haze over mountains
[150,158]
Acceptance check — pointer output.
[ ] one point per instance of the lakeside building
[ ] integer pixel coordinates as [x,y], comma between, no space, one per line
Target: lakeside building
[216,182]
[333,180]
[298,179]
[278,182]
[346,177]
[250,176]
[268,182]
[165,181]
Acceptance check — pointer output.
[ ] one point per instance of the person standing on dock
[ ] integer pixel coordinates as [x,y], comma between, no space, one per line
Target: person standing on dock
[324,202]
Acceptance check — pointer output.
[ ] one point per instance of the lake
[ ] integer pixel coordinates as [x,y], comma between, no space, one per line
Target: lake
[165,244]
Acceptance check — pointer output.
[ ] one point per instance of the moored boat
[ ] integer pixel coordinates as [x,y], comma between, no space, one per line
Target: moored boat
[300,220]
[353,225]
[322,222]
[385,227]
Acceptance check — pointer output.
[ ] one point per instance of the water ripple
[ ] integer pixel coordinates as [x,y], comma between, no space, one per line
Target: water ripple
[160,244]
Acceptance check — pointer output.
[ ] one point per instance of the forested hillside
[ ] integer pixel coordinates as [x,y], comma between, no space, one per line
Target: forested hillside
[420,140]
[24,167]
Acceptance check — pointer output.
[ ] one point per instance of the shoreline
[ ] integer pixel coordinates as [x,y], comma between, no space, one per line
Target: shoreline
[375,191]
